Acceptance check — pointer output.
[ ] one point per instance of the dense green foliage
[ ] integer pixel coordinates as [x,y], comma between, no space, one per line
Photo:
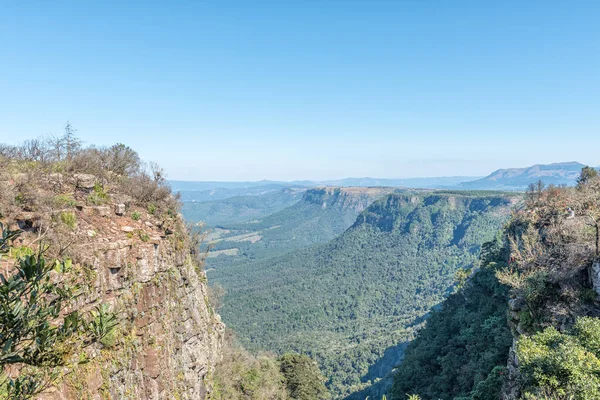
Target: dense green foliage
[239,208]
[240,375]
[556,365]
[554,244]
[347,301]
[464,347]
[303,378]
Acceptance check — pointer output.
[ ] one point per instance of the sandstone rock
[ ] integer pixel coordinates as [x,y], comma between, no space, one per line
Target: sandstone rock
[152,368]
[155,239]
[55,178]
[25,216]
[119,209]
[177,336]
[85,181]
[102,211]
[26,220]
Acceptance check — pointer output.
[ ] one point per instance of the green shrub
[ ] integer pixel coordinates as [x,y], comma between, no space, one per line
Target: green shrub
[42,330]
[136,216]
[587,331]
[21,251]
[143,236]
[69,219]
[98,196]
[20,199]
[491,386]
[239,375]
[102,325]
[303,378]
[151,209]
[64,200]
[588,295]
[559,365]
[110,339]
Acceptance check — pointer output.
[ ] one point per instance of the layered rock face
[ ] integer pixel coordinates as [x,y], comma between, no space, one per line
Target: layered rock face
[354,198]
[170,335]
[142,265]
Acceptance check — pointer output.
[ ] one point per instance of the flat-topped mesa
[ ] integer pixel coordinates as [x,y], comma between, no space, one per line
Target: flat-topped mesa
[139,259]
[389,211]
[356,198]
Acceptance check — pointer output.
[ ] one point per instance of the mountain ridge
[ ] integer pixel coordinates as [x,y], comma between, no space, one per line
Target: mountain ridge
[501,179]
[560,173]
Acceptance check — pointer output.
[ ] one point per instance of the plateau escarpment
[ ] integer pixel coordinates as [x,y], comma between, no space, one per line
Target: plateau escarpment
[128,252]
[321,214]
[351,301]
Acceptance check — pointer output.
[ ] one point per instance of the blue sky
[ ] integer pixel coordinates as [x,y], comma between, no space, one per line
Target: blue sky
[251,90]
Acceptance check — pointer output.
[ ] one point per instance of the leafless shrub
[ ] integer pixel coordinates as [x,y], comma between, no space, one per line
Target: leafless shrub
[149,186]
[122,160]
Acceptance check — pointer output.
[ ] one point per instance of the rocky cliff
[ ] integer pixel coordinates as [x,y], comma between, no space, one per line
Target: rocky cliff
[137,257]
[353,198]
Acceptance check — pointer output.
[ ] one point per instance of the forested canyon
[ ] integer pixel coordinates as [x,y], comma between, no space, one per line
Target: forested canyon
[290,292]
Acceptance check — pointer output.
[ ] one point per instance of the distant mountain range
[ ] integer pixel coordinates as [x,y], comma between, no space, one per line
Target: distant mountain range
[247,187]
[512,179]
[564,173]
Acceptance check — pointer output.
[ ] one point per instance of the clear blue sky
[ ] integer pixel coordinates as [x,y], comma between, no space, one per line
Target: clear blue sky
[226,90]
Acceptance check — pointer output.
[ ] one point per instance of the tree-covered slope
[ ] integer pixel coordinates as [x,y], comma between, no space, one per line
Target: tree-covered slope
[240,208]
[463,349]
[347,301]
[321,215]
[527,325]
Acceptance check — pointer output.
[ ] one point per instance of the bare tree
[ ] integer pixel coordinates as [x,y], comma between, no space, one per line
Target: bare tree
[57,147]
[70,141]
[122,160]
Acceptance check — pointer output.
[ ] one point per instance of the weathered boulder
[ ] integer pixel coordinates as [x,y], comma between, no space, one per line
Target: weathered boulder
[56,179]
[102,211]
[85,181]
[120,209]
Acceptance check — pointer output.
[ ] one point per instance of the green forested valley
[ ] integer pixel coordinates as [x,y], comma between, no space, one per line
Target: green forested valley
[238,208]
[346,301]
[321,215]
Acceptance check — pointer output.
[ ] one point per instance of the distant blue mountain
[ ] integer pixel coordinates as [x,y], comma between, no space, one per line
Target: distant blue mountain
[564,173]
[247,187]
[421,183]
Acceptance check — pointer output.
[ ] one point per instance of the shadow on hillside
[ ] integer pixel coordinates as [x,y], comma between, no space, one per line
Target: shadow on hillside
[382,368]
